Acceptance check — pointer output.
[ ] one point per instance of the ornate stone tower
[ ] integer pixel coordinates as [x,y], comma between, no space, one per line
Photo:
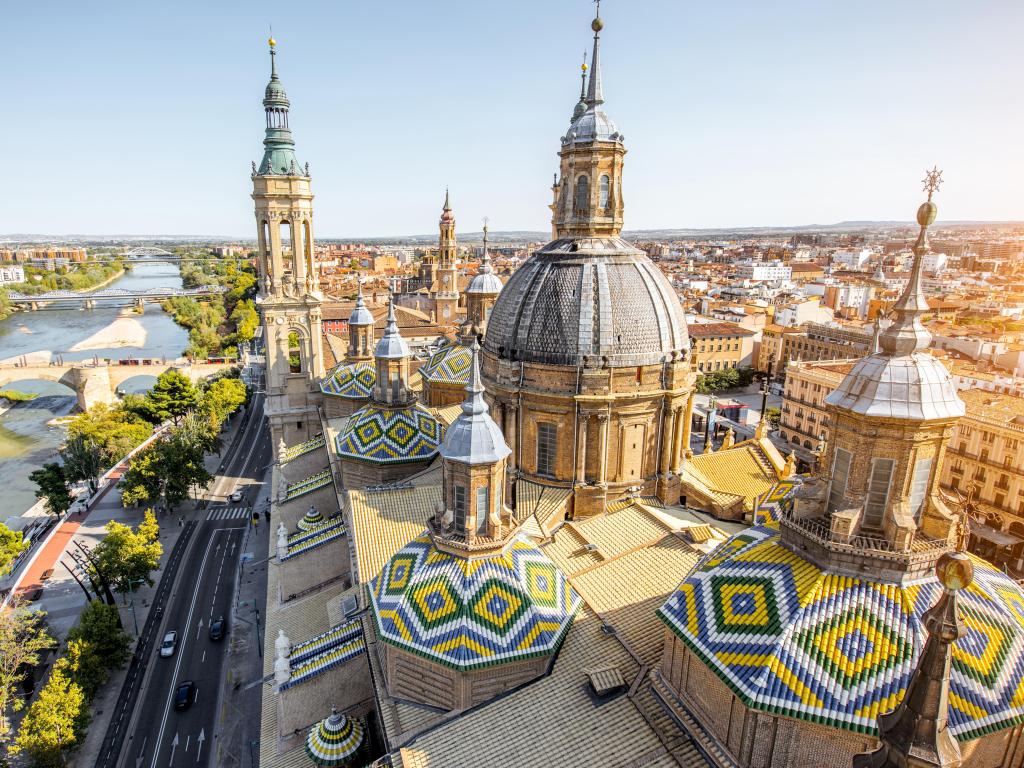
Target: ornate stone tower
[289,289]
[447,299]
[481,293]
[586,354]
[360,331]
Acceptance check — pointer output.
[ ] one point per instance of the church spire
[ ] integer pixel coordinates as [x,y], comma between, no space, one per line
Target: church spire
[907,334]
[581,105]
[595,94]
[279,146]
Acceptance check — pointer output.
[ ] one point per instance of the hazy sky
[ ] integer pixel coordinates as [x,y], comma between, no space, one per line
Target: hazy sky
[143,117]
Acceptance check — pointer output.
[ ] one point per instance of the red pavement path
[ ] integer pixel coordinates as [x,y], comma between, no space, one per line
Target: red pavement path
[51,552]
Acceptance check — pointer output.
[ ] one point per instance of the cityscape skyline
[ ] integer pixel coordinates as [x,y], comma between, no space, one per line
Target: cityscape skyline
[732,148]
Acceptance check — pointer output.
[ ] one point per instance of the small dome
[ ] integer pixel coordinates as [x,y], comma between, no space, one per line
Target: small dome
[351,380]
[915,387]
[390,435]
[592,301]
[391,345]
[474,437]
[486,283]
[360,314]
[509,606]
[592,125]
[334,741]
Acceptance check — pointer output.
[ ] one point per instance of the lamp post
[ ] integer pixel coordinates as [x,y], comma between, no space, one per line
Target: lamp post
[766,387]
[709,423]
[132,583]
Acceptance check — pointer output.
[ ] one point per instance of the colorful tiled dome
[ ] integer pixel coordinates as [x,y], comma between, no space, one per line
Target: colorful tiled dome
[469,613]
[449,365]
[390,435]
[792,639]
[351,380]
[334,741]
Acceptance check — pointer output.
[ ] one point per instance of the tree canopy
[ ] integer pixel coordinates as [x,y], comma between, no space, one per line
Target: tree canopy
[83,460]
[115,430]
[100,626]
[126,556]
[172,396]
[52,485]
[55,722]
[727,378]
[23,639]
[12,544]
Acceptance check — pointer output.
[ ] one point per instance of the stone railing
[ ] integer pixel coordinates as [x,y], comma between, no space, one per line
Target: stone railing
[922,548]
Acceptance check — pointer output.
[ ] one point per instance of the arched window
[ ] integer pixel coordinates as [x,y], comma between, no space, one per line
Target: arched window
[582,194]
[605,191]
[294,353]
[285,239]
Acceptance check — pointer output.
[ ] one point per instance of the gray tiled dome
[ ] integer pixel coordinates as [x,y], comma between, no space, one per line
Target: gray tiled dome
[915,387]
[587,301]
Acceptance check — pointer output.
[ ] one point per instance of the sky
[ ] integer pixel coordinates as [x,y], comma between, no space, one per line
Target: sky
[144,117]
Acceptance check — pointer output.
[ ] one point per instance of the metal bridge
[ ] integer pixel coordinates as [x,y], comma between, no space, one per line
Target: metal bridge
[89,299]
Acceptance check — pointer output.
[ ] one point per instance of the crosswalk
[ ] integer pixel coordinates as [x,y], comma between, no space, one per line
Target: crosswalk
[228,513]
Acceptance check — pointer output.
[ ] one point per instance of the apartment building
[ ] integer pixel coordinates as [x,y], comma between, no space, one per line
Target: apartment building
[715,346]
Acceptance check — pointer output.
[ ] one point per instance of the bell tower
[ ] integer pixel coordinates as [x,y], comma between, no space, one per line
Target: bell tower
[447,299]
[289,290]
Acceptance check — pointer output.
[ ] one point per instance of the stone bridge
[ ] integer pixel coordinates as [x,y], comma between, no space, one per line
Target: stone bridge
[99,383]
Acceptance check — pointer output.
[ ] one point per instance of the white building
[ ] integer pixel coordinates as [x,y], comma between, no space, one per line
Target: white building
[12,274]
[764,271]
[851,258]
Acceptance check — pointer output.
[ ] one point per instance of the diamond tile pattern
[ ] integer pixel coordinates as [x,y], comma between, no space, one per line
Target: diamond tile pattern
[472,613]
[449,365]
[351,380]
[791,639]
[390,435]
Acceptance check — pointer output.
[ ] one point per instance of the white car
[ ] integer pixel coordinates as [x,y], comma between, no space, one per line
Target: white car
[169,644]
[237,495]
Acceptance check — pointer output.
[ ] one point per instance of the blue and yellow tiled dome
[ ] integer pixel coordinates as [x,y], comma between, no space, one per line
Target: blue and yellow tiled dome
[350,380]
[470,613]
[334,741]
[449,365]
[390,435]
[792,639]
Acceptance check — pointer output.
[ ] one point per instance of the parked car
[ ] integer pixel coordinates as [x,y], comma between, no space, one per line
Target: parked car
[185,694]
[237,495]
[169,644]
[218,628]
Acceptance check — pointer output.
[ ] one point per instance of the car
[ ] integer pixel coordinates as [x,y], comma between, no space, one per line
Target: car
[184,695]
[218,628]
[238,495]
[169,644]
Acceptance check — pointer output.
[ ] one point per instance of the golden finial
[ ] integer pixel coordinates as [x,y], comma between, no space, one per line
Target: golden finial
[271,42]
[584,66]
[597,25]
[932,180]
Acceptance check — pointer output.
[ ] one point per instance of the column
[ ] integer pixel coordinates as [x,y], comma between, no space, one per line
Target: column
[682,436]
[298,251]
[581,446]
[602,474]
[510,436]
[668,439]
[276,260]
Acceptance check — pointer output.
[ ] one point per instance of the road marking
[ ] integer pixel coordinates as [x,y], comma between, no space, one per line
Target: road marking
[174,746]
[177,665]
[199,629]
[200,740]
[187,740]
[204,658]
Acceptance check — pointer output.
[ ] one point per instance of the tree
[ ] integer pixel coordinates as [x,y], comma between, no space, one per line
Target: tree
[222,398]
[773,415]
[52,486]
[83,664]
[12,544]
[126,556]
[172,396]
[54,723]
[23,638]
[115,430]
[182,465]
[142,482]
[83,460]
[99,626]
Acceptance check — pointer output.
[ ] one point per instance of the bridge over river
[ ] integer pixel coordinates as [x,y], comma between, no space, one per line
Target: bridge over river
[64,299]
[98,382]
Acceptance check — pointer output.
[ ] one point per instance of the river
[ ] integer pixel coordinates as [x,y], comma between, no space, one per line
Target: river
[71,334]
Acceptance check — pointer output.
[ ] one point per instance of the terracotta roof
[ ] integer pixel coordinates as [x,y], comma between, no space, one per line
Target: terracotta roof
[716,330]
[994,406]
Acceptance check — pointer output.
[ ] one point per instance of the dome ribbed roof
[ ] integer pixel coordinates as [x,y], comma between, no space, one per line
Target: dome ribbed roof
[579,300]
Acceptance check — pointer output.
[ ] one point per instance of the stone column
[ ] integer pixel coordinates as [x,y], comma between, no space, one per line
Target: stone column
[510,436]
[602,459]
[581,446]
[668,439]
[298,250]
[680,437]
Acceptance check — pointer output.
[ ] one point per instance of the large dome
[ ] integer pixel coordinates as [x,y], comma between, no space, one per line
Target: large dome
[587,301]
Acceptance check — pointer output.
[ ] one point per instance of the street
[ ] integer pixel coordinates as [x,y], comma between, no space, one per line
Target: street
[147,729]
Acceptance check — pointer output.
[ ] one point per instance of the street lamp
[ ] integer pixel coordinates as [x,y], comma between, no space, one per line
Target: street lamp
[132,583]
[709,423]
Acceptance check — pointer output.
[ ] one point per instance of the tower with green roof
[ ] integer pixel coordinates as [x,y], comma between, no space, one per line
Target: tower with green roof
[289,289]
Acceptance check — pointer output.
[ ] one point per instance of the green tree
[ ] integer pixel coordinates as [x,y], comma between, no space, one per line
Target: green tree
[54,723]
[773,415]
[83,460]
[142,483]
[182,465]
[83,664]
[115,430]
[12,544]
[99,625]
[222,398]
[126,556]
[23,639]
[52,486]
[172,396]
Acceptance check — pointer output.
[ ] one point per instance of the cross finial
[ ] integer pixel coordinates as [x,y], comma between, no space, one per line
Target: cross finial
[598,4]
[932,180]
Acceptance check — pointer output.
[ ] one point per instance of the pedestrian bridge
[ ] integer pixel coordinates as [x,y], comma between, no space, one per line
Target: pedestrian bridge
[98,383]
[89,299]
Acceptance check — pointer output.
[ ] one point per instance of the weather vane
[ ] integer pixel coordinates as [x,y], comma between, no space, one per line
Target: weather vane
[932,180]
